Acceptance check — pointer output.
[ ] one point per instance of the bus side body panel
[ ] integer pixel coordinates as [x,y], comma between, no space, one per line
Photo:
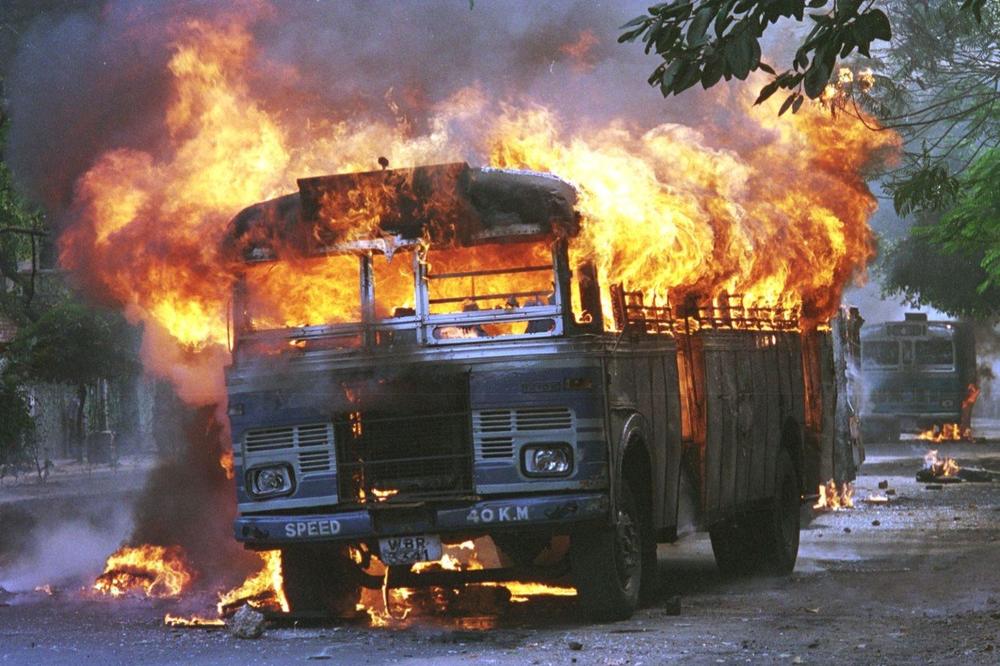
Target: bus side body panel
[753,392]
[642,382]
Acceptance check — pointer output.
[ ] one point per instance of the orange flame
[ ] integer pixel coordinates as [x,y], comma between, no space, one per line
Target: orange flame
[192,621]
[669,209]
[948,432]
[154,571]
[833,497]
[263,589]
[226,463]
[940,466]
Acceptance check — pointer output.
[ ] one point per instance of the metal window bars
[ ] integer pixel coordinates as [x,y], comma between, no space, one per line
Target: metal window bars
[726,312]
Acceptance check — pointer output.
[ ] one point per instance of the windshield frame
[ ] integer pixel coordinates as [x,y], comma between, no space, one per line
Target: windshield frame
[420,327]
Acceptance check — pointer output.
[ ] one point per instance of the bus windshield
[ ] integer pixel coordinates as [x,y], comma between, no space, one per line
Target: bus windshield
[877,353]
[934,352]
[489,290]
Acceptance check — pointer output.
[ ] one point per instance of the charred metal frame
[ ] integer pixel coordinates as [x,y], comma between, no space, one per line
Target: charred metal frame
[422,322]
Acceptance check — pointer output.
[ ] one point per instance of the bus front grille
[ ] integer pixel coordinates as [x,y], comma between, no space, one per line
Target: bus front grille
[383,458]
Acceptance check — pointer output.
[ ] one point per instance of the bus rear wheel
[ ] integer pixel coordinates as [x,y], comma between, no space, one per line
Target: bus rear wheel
[320,580]
[607,565]
[766,541]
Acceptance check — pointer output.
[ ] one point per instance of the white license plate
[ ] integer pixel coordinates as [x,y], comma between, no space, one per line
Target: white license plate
[394,551]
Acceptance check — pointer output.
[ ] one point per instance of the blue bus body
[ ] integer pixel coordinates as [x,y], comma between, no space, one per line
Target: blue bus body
[432,419]
[916,374]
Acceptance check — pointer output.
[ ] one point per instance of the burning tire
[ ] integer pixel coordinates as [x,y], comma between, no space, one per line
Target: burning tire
[764,542]
[320,580]
[607,565]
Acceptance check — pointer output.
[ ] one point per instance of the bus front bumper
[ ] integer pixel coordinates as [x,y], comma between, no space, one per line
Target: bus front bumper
[483,517]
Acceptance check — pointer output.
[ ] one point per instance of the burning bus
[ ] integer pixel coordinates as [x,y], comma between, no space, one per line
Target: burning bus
[460,374]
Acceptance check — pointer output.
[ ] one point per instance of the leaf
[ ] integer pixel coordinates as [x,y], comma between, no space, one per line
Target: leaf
[797,104]
[876,24]
[817,76]
[801,59]
[712,72]
[667,79]
[723,19]
[767,91]
[698,26]
[689,76]
[739,54]
[638,20]
[787,103]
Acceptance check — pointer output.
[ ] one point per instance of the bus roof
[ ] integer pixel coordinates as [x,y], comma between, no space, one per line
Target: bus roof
[452,203]
[892,330]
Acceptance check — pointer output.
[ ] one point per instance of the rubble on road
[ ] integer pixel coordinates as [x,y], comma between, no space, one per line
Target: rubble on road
[246,623]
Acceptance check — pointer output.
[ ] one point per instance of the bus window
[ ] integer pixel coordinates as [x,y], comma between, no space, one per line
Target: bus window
[506,276]
[935,352]
[306,292]
[394,288]
[879,354]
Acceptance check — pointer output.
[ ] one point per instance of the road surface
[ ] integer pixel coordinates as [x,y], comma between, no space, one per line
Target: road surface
[915,581]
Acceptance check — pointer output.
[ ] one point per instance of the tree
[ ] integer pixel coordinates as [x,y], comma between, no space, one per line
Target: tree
[75,345]
[22,227]
[16,426]
[935,83]
[954,262]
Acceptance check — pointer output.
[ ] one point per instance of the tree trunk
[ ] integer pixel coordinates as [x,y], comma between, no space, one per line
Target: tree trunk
[81,436]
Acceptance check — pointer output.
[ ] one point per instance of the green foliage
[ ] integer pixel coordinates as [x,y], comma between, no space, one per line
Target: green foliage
[924,275]
[16,425]
[708,40]
[971,227]
[953,262]
[17,219]
[73,344]
[936,86]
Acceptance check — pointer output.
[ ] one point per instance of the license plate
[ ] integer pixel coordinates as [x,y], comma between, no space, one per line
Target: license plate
[395,551]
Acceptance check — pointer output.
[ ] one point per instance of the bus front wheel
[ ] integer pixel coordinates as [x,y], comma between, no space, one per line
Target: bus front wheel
[607,564]
[320,580]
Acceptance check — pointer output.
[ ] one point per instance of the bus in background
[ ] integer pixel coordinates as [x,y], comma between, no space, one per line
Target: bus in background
[919,375]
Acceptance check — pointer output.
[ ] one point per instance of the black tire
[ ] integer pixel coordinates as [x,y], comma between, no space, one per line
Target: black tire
[320,580]
[780,525]
[767,541]
[732,547]
[607,565]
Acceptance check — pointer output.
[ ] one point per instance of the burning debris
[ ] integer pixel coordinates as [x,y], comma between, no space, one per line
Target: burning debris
[947,470]
[152,571]
[948,432]
[937,468]
[263,590]
[195,621]
[835,497]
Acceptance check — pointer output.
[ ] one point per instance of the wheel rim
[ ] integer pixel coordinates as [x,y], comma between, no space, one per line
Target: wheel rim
[626,548]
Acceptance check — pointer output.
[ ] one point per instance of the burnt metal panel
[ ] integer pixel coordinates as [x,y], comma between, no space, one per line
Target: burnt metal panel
[730,434]
[776,407]
[759,432]
[746,417]
[715,427]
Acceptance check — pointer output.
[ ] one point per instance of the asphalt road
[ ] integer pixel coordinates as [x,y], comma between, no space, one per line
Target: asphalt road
[914,581]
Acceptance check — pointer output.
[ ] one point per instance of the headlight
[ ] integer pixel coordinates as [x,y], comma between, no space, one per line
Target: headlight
[547,459]
[270,481]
